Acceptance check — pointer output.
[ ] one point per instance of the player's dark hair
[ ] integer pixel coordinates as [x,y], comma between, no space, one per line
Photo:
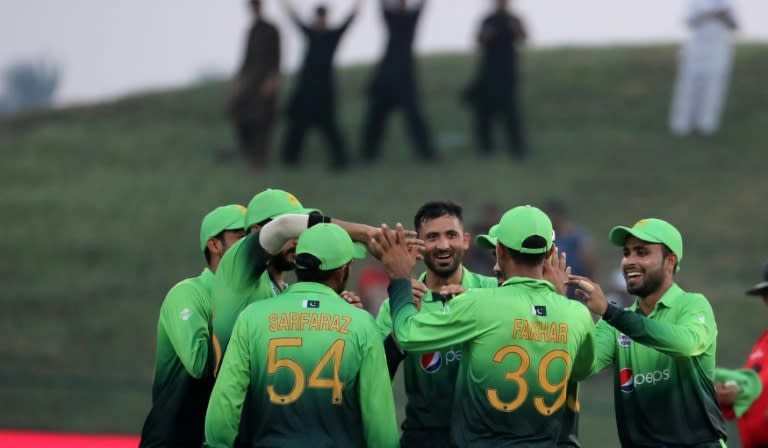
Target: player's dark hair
[321,10]
[529,260]
[436,209]
[308,269]
[665,252]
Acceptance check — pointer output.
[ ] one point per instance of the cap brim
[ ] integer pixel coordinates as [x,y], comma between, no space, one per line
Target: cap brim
[758,290]
[619,235]
[359,251]
[486,241]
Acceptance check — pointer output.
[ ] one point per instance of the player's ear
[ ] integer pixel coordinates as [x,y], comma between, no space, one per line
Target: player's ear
[467,239]
[214,246]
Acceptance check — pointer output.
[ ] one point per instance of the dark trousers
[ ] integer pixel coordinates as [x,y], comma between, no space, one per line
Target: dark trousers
[253,139]
[510,118]
[379,109]
[297,128]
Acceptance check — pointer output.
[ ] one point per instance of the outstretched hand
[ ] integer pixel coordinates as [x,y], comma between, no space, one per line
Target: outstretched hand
[590,293]
[397,255]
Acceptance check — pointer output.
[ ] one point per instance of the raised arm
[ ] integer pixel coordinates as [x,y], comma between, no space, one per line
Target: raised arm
[290,11]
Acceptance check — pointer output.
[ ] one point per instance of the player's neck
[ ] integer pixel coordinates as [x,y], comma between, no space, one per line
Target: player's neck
[434,281]
[520,270]
[648,303]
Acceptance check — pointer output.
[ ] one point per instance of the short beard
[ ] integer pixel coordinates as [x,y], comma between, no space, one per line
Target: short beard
[281,263]
[652,283]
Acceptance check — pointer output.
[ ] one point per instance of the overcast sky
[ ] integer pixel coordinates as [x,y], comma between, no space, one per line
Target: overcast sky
[109,48]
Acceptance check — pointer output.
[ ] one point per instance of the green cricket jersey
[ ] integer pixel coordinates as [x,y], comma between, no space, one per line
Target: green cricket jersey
[183,366]
[522,344]
[315,373]
[430,377]
[664,369]
[241,278]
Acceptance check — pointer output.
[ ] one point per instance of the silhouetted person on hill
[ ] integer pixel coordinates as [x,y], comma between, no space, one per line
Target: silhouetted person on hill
[254,100]
[394,84]
[313,102]
[494,91]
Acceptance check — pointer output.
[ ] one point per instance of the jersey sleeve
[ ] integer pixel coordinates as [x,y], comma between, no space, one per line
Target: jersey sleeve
[585,356]
[750,388]
[693,332]
[222,419]
[605,347]
[376,403]
[185,319]
[384,319]
[238,273]
[430,331]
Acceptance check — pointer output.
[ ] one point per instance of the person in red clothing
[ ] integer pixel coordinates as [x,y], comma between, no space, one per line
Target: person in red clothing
[739,391]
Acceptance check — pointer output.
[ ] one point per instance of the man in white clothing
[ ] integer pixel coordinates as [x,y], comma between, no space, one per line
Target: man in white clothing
[704,68]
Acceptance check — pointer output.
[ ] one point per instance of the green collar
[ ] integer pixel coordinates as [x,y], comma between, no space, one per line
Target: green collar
[670,298]
[532,282]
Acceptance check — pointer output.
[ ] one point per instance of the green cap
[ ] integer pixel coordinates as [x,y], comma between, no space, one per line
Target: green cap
[488,241]
[526,229]
[269,204]
[226,217]
[651,230]
[330,244]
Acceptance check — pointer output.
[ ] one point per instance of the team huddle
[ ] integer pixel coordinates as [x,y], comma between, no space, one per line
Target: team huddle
[243,359]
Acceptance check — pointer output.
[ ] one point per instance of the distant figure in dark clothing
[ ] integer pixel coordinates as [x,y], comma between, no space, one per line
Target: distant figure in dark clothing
[313,102]
[254,100]
[494,91]
[394,85]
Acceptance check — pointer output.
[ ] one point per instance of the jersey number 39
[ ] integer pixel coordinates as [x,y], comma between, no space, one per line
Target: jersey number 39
[517,377]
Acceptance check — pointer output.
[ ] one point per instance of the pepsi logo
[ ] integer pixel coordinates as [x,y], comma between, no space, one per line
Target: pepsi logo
[431,362]
[626,380]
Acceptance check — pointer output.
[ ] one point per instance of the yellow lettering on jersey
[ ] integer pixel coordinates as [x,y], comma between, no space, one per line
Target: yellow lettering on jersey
[283,322]
[324,321]
[309,322]
[314,323]
[295,321]
[335,323]
[346,321]
[540,331]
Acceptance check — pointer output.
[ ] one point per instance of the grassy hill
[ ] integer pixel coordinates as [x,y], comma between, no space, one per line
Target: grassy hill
[101,206]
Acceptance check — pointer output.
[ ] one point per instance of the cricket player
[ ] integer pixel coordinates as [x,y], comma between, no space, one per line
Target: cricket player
[704,68]
[569,431]
[662,347]
[242,277]
[184,360]
[522,341]
[430,377]
[312,365]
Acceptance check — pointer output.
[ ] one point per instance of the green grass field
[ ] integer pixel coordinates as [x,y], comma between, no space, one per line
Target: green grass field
[101,207]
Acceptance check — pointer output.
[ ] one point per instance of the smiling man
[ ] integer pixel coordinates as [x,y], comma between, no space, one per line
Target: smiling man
[430,377]
[662,347]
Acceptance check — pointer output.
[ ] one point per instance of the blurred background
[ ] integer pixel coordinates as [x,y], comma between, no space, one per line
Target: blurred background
[112,116]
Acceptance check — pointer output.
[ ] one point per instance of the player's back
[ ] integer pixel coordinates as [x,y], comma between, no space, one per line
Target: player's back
[307,352]
[511,389]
